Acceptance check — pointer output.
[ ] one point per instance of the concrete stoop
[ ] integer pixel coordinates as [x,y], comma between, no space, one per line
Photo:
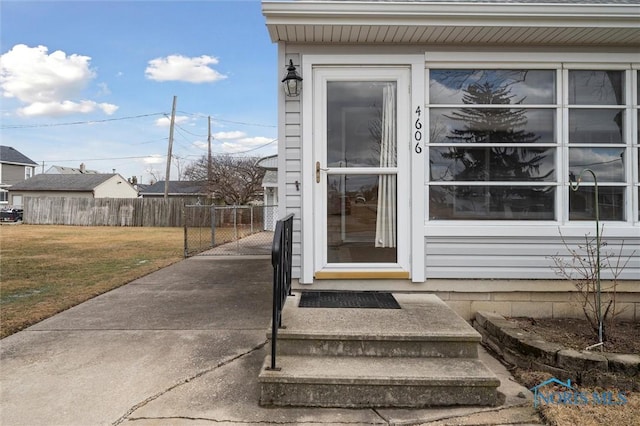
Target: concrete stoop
[419,356]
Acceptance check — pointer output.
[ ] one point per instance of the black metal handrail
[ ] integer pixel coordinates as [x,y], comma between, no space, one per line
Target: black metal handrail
[281,262]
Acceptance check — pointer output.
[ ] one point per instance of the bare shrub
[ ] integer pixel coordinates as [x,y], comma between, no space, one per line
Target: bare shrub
[583,268]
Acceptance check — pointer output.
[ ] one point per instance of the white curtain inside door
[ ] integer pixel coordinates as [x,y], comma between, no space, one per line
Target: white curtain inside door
[386,215]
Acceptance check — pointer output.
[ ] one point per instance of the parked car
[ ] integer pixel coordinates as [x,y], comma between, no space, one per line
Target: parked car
[10,215]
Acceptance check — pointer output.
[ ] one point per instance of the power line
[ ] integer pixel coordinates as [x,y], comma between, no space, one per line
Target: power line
[150,141]
[74,123]
[227,121]
[191,133]
[156,155]
[106,120]
[254,149]
[104,159]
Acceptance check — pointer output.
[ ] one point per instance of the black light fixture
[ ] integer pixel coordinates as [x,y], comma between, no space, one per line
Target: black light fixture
[292,83]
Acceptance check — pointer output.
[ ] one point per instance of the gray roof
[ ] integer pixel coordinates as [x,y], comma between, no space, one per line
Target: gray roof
[183,187]
[54,182]
[270,178]
[9,154]
[69,170]
[268,163]
[574,2]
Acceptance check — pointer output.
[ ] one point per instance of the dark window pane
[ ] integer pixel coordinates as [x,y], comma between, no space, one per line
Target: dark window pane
[596,126]
[596,87]
[492,87]
[499,163]
[492,125]
[354,123]
[582,205]
[353,204]
[491,202]
[606,163]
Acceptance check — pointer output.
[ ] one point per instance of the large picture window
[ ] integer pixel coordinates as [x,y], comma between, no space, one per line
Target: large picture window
[504,144]
[493,144]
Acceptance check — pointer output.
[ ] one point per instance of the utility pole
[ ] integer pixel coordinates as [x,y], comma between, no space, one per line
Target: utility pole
[173,122]
[209,161]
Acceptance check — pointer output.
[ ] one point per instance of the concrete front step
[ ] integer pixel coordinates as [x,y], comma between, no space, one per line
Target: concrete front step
[376,346]
[358,382]
[421,355]
[424,327]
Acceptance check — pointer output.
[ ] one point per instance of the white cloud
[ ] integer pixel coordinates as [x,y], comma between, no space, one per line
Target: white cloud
[166,121]
[154,159]
[201,145]
[47,83]
[182,68]
[53,109]
[229,135]
[244,144]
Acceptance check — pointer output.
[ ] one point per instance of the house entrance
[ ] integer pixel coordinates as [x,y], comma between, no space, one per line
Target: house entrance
[361,172]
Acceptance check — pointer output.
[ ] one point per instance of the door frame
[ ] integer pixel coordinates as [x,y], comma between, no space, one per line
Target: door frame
[411,257]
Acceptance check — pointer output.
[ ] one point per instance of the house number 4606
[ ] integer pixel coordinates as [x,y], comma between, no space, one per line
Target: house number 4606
[417,135]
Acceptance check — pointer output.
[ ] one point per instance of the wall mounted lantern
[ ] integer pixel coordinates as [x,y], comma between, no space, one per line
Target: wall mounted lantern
[292,83]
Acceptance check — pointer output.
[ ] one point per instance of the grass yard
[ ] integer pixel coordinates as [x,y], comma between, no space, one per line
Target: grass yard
[47,269]
[582,414]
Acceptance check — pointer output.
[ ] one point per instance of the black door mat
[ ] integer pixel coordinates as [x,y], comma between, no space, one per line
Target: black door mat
[348,299]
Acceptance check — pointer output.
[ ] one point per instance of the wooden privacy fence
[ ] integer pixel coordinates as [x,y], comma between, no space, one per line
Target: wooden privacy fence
[104,211]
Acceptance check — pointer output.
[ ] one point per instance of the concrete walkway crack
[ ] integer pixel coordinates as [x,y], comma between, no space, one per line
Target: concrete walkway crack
[187,380]
[244,422]
[444,419]
[386,421]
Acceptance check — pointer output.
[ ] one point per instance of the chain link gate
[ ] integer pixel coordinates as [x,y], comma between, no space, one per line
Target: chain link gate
[229,230]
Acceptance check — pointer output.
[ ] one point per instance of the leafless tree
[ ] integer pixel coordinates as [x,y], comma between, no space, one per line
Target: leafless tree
[156,175]
[235,180]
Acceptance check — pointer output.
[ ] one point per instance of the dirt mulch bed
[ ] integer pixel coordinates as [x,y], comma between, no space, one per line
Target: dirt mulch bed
[623,337]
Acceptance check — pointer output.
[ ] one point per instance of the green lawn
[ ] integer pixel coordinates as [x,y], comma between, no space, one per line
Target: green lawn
[47,269]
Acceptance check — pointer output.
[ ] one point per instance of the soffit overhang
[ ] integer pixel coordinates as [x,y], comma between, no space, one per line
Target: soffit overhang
[375,22]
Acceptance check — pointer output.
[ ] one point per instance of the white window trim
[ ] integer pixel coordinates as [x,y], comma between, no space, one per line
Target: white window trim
[562,62]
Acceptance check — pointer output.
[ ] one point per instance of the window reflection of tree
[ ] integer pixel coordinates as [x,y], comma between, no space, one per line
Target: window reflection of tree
[375,137]
[495,126]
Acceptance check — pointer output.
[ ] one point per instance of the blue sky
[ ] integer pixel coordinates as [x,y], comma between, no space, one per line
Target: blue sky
[112,68]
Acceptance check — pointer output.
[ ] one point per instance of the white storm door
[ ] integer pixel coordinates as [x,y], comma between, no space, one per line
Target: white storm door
[361,150]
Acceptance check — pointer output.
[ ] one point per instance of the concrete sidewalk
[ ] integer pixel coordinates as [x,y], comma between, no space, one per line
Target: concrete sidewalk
[181,346]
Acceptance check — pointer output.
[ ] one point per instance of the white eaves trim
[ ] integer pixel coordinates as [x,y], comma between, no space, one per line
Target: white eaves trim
[311,21]
[375,12]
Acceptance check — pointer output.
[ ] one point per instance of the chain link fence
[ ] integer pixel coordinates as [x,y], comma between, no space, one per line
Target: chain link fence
[229,230]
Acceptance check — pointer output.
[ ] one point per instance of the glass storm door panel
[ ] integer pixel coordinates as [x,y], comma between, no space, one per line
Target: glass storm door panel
[361,166]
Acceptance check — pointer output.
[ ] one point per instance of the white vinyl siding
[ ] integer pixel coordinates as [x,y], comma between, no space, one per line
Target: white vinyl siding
[289,164]
[517,257]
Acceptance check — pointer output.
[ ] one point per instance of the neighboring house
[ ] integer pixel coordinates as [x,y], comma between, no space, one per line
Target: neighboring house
[192,191]
[73,185]
[62,170]
[433,144]
[270,190]
[15,167]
